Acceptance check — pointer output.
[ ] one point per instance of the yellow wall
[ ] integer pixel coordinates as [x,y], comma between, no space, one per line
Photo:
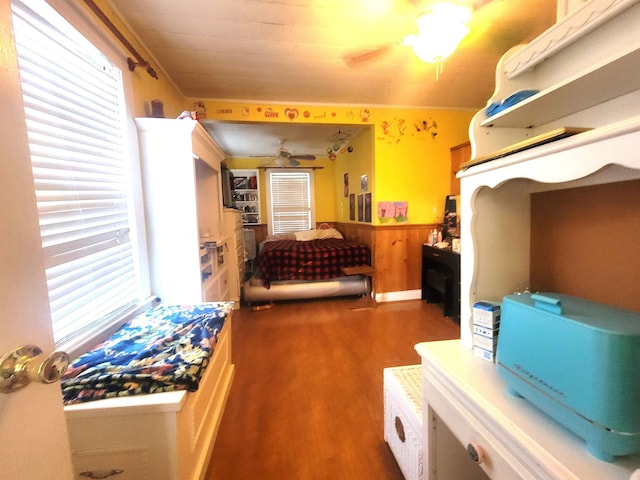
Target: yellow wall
[356,164]
[145,87]
[399,153]
[412,165]
[323,179]
[401,158]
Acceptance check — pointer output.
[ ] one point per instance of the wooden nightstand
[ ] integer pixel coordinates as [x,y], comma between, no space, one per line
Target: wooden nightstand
[368,301]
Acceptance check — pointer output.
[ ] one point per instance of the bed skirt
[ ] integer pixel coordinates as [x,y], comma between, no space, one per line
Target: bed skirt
[254,291]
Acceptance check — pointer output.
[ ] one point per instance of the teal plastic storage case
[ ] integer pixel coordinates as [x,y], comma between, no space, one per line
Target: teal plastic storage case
[579,362]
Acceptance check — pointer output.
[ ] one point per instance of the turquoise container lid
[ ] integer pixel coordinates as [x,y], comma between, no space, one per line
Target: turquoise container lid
[599,316]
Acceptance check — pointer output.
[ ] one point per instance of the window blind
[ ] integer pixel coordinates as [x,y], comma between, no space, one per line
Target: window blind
[74,109]
[290,201]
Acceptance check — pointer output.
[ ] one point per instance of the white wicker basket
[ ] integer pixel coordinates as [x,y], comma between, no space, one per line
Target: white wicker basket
[403,418]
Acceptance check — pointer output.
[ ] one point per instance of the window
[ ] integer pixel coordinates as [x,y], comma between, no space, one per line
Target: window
[76,121]
[290,200]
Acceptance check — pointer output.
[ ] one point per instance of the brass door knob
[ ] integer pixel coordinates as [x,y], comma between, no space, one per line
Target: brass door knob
[21,367]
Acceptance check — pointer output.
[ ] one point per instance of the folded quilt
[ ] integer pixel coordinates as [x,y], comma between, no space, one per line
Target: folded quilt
[164,349]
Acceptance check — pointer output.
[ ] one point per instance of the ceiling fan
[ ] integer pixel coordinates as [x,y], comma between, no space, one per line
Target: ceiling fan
[284,158]
[441,25]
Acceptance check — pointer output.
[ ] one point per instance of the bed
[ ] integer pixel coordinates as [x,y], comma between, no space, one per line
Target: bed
[147,403]
[302,265]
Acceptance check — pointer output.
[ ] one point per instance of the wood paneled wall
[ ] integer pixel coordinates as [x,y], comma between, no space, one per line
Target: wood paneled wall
[396,251]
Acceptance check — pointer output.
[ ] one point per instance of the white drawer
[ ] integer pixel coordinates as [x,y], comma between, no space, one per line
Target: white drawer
[497,461]
[118,463]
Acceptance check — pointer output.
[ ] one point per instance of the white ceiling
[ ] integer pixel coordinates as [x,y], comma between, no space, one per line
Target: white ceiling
[294,51]
[264,139]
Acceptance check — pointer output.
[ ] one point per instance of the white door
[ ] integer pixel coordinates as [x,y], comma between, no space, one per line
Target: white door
[33,433]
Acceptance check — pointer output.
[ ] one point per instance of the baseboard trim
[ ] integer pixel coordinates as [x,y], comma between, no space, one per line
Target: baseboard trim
[399,296]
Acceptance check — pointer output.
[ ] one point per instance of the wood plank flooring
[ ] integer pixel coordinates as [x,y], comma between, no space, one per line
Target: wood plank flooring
[307,402]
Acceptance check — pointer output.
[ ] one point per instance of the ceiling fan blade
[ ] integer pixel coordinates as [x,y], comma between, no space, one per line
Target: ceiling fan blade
[302,157]
[356,58]
[474,4]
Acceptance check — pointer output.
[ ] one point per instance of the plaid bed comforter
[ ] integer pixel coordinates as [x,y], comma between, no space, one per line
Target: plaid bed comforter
[163,349]
[319,259]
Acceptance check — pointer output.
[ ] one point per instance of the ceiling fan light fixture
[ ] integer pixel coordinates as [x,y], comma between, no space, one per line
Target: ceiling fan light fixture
[440,31]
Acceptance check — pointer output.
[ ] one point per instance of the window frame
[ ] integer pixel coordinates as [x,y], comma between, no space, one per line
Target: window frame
[89,27]
[311,193]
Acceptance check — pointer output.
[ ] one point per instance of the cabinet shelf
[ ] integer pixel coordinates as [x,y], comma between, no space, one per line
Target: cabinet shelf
[581,91]
[585,68]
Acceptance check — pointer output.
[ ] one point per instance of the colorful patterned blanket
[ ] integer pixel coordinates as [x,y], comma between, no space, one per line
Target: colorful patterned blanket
[163,349]
[318,259]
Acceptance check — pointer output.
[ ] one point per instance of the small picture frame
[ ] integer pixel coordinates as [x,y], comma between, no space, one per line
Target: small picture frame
[364,183]
[352,206]
[361,207]
[240,183]
[367,207]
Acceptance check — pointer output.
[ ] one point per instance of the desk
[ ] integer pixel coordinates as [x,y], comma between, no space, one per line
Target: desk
[517,440]
[441,279]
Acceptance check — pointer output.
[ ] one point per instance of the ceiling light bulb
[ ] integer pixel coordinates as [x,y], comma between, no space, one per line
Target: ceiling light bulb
[441,30]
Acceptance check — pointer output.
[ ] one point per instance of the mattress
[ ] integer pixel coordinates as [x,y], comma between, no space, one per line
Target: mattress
[254,290]
[317,259]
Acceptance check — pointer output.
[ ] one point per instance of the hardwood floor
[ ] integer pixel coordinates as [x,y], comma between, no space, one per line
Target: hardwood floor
[307,401]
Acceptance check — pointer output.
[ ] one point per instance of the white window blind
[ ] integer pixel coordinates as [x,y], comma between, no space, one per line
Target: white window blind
[74,109]
[290,201]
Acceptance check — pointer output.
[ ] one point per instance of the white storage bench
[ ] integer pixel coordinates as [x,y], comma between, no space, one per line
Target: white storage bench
[403,418]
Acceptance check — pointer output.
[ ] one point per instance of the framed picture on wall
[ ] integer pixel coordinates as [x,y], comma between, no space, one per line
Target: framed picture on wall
[361,207]
[367,207]
[352,206]
[364,183]
[346,184]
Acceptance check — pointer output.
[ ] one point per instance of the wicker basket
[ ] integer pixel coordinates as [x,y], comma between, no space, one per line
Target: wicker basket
[403,418]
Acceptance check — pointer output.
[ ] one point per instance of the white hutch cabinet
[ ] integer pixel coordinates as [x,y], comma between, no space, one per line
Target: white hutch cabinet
[587,71]
[183,208]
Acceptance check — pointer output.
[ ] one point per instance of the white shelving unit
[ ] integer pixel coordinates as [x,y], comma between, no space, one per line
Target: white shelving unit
[183,208]
[587,69]
[247,195]
[573,55]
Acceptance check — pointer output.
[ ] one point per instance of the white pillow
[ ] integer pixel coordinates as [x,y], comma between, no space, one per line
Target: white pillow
[280,236]
[328,233]
[314,234]
[305,235]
